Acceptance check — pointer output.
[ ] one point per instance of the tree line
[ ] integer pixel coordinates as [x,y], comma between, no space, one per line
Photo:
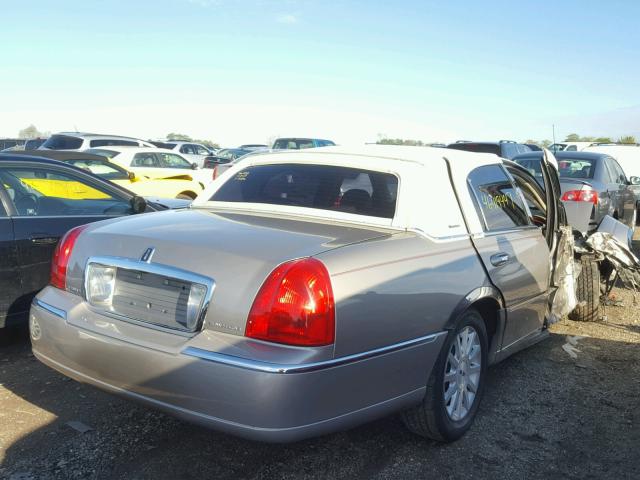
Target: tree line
[573,137]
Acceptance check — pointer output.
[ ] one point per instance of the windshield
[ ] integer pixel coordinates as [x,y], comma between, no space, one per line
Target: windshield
[341,189]
[105,170]
[103,152]
[576,168]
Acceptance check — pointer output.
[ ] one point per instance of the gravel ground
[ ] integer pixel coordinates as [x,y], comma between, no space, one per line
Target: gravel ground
[564,408]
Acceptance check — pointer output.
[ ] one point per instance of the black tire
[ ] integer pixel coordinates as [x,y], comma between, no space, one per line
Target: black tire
[430,419]
[587,292]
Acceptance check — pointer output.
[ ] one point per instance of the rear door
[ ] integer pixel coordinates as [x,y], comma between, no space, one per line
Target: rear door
[46,202]
[614,190]
[626,199]
[513,250]
[9,276]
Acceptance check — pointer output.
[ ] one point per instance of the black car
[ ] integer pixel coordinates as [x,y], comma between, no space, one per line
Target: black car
[503,148]
[40,200]
[226,155]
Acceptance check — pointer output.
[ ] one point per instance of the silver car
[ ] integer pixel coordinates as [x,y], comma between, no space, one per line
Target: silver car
[290,301]
[593,178]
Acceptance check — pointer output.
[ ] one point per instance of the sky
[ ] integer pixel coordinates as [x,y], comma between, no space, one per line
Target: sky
[247,71]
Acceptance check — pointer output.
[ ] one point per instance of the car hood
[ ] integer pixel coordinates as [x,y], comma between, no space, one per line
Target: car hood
[237,250]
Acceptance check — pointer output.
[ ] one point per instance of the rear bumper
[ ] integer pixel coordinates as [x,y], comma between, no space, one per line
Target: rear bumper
[241,396]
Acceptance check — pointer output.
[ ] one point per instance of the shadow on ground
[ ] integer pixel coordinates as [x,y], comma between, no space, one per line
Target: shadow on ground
[545,415]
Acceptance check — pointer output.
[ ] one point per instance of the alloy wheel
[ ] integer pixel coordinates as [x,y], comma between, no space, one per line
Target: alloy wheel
[462,373]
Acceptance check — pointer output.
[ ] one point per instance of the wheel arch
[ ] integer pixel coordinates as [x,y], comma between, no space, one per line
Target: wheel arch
[489,303]
[187,193]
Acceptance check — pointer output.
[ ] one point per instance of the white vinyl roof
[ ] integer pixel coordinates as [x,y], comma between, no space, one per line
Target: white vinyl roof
[426,201]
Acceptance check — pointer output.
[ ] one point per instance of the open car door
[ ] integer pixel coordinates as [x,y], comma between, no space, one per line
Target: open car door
[548,213]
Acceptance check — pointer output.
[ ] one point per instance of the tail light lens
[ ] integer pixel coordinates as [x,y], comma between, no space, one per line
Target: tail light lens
[590,196]
[61,257]
[294,306]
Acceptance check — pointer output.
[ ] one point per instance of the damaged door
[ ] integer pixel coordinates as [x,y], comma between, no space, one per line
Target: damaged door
[547,212]
[511,248]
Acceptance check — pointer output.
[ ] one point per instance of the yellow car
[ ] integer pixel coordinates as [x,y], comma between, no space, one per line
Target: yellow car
[143,186]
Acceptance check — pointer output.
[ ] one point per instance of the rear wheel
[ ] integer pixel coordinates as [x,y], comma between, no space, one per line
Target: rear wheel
[587,292]
[456,383]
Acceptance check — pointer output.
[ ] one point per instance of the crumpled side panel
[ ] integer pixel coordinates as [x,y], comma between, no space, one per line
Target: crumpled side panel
[564,277]
[619,254]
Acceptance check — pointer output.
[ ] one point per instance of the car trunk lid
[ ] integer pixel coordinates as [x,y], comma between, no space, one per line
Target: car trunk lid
[236,250]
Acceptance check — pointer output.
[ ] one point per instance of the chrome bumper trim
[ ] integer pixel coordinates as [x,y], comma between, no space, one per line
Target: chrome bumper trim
[267,367]
[50,308]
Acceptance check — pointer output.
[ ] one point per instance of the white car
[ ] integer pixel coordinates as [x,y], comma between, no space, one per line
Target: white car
[81,141]
[569,146]
[194,152]
[155,163]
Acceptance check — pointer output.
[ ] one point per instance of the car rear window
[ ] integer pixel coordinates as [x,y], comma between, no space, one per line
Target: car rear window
[293,143]
[476,147]
[349,190]
[62,142]
[105,142]
[576,167]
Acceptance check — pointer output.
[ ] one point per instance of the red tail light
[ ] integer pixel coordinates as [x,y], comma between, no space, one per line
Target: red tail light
[294,306]
[590,196]
[61,257]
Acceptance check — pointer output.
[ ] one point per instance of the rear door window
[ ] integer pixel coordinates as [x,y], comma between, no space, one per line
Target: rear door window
[341,189]
[200,150]
[499,203]
[619,174]
[171,160]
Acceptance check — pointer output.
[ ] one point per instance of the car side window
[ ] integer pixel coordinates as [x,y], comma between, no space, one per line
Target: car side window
[571,148]
[200,150]
[171,160]
[145,159]
[37,191]
[498,202]
[614,171]
[620,175]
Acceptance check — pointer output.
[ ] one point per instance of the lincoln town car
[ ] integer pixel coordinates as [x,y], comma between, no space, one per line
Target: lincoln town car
[305,292]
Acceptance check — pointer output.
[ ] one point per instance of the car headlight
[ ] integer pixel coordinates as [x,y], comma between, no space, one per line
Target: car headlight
[194,304]
[100,284]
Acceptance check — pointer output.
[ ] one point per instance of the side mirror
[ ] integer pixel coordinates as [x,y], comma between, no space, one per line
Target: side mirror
[634,180]
[132,176]
[194,166]
[138,204]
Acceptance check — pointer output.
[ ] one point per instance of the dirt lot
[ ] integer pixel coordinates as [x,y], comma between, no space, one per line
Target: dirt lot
[565,408]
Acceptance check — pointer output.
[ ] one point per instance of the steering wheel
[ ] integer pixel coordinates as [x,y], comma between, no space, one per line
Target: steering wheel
[27,204]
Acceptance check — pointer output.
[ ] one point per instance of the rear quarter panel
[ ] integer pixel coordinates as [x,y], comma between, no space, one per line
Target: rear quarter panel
[398,288]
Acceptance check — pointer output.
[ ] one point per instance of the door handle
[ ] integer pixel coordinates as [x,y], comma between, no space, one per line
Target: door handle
[499,259]
[44,240]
